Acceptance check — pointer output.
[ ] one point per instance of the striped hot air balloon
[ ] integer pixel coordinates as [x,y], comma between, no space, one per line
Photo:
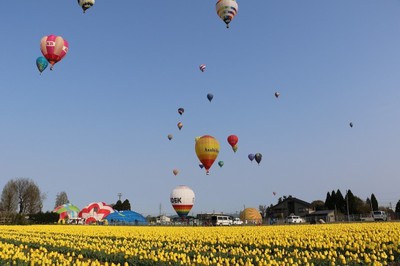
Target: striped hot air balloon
[53,48]
[182,200]
[227,10]
[207,149]
[202,67]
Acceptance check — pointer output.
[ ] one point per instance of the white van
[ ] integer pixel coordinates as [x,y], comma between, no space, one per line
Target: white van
[221,220]
[379,216]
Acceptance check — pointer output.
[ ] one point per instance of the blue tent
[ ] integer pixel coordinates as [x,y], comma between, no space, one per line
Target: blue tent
[126,217]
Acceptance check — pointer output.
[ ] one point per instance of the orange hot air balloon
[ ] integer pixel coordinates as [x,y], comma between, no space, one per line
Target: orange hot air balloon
[180,125]
[207,149]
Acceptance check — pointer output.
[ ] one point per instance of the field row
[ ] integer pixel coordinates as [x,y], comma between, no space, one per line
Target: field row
[327,244]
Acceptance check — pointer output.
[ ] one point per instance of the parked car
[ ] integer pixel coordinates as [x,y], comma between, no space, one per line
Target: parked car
[237,221]
[294,219]
[379,216]
[221,220]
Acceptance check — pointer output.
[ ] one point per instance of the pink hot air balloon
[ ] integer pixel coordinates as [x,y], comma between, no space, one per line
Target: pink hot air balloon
[53,48]
[95,211]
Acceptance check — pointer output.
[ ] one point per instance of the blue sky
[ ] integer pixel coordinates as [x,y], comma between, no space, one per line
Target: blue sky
[97,124]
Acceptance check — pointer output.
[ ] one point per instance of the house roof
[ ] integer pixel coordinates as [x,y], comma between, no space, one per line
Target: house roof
[302,202]
[323,212]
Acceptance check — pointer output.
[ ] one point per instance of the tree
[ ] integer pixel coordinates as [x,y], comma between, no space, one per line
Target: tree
[374,202]
[61,199]
[126,206]
[9,201]
[118,206]
[318,205]
[25,193]
[351,201]
[263,210]
[340,202]
[398,207]
[328,201]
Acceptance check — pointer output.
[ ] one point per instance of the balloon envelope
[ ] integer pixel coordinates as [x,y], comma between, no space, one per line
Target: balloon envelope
[351,124]
[86,4]
[170,136]
[258,157]
[227,10]
[277,94]
[181,111]
[175,171]
[233,140]
[221,163]
[53,48]
[182,200]
[251,156]
[210,96]
[180,125]
[207,149]
[41,63]
[202,67]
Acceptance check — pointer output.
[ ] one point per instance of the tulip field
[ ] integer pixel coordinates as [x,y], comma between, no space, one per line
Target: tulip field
[321,244]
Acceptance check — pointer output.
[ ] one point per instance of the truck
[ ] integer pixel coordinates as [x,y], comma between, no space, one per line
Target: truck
[379,216]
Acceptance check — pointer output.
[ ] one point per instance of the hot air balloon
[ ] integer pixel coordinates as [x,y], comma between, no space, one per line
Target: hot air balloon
[180,125]
[233,140]
[221,163]
[227,10]
[182,200]
[351,124]
[181,111]
[251,156]
[197,138]
[274,193]
[207,149]
[277,94]
[53,48]
[235,148]
[41,64]
[86,4]
[170,136]
[201,165]
[202,67]
[210,97]
[175,172]
[258,157]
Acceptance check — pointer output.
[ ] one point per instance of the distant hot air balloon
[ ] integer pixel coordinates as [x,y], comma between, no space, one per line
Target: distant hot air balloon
[201,165]
[274,193]
[41,64]
[182,200]
[207,149]
[197,138]
[258,157]
[221,163]
[277,94]
[227,10]
[175,171]
[235,148]
[210,96]
[86,4]
[351,124]
[181,111]
[251,156]
[202,67]
[170,136]
[53,48]
[233,140]
[180,125]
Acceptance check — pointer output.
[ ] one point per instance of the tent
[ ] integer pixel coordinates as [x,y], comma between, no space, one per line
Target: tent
[126,217]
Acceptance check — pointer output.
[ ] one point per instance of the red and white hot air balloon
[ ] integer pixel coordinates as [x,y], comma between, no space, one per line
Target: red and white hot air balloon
[95,211]
[53,48]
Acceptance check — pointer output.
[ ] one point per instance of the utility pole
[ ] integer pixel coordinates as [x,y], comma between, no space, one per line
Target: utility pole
[119,196]
[347,204]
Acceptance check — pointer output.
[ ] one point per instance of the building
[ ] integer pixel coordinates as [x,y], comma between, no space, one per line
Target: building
[327,216]
[288,206]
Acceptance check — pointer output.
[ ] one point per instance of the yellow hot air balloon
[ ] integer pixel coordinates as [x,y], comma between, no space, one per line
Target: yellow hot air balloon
[207,149]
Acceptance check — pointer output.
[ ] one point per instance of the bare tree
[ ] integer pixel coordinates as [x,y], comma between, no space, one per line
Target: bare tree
[9,200]
[24,194]
[61,199]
